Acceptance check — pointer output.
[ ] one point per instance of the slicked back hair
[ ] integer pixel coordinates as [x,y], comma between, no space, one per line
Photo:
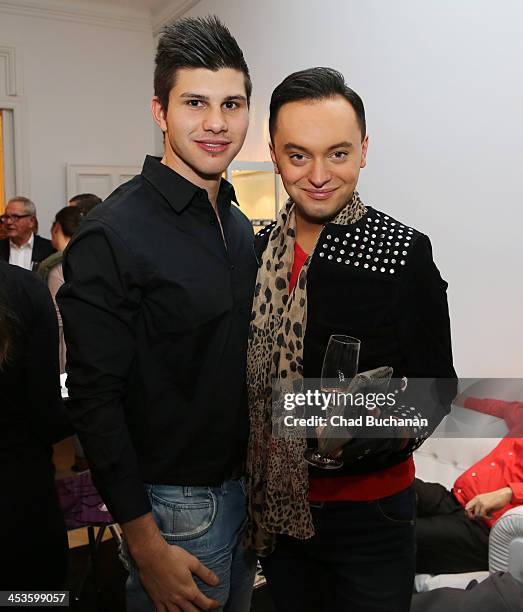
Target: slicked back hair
[196,43]
[315,84]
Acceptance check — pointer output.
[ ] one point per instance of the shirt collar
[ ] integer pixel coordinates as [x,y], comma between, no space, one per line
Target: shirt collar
[176,189]
[27,245]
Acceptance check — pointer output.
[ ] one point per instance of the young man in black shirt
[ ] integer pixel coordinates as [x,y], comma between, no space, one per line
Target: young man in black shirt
[156,310]
[338,540]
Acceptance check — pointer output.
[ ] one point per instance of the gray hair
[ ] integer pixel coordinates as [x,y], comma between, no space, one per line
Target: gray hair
[29,206]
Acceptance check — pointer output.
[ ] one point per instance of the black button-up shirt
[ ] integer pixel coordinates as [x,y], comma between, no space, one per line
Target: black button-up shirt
[156,308]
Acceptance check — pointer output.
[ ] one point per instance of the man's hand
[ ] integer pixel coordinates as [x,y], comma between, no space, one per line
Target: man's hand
[166,572]
[167,577]
[483,505]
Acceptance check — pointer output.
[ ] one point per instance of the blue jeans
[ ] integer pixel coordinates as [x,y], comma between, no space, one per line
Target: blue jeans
[360,560]
[208,522]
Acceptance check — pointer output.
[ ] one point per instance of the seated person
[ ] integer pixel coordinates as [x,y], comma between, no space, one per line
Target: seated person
[452,528]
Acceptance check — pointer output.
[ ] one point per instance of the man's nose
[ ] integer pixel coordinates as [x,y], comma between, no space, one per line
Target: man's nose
[319,174]
[215,121]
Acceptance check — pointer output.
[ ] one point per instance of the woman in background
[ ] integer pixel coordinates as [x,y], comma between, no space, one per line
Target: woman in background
[33,539]
[50,270]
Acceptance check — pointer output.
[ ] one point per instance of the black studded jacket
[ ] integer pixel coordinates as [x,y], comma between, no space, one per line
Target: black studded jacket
[376,280]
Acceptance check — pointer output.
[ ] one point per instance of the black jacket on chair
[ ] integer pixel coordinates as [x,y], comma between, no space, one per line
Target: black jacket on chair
[42,248]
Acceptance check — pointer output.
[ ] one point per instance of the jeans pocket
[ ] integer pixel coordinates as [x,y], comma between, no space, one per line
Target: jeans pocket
[182,517]
[399,508]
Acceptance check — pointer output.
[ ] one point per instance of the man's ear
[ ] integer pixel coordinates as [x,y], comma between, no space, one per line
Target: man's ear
[364,147]
[158,114]
[273,157]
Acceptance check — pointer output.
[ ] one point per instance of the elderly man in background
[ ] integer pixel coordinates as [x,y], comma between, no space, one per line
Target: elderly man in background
[22,247]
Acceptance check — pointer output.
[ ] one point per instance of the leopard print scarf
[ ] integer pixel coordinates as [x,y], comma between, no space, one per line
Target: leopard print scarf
[278,482]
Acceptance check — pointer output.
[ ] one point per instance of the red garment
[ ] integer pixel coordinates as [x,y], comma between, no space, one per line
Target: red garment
[360,487]
[363,487]
[503,466]
[300,256]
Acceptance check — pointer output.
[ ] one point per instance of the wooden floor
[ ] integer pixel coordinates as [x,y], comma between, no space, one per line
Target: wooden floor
[63,459]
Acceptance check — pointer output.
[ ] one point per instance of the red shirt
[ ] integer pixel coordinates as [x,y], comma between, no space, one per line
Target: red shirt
[300,256]
[360,487]
[503,466]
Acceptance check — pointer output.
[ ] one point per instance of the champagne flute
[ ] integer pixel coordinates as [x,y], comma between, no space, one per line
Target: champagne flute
[340,366]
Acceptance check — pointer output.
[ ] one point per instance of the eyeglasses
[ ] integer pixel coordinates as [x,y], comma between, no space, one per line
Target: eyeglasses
[12,218]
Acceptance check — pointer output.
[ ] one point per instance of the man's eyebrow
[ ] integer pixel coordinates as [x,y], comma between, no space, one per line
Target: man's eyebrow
[293,146]
[237,97]
[195,96]
[340,145]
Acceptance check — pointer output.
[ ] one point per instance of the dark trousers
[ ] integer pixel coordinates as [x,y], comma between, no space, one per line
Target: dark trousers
[360,560]
[33,539]
[448,542]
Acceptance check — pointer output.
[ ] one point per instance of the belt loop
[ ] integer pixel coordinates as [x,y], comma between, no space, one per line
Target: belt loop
[187,491]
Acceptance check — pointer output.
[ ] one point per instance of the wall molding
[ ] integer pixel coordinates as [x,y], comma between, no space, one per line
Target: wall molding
[13,85]
[170,13]
[79,178]
[99,15]
[21,160]
[11,98]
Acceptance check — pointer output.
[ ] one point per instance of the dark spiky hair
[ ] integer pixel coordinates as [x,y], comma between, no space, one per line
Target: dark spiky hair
[196,43]
[315,84]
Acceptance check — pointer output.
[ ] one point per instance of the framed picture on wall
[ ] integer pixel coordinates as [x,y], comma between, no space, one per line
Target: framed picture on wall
[259,190]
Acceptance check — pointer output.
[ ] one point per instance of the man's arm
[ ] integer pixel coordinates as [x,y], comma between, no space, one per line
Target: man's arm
[100,303]
[425,345]
[425,341]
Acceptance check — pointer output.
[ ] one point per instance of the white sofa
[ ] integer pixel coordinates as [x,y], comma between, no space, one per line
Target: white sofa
[464,437]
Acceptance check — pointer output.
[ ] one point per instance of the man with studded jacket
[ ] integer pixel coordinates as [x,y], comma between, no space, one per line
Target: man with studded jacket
[330,264]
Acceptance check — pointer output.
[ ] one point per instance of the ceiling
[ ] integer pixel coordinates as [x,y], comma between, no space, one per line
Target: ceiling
[134,14]
[158,12]
[151,6]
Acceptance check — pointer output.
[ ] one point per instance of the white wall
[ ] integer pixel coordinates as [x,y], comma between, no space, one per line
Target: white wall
[87,90]
[443,87]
